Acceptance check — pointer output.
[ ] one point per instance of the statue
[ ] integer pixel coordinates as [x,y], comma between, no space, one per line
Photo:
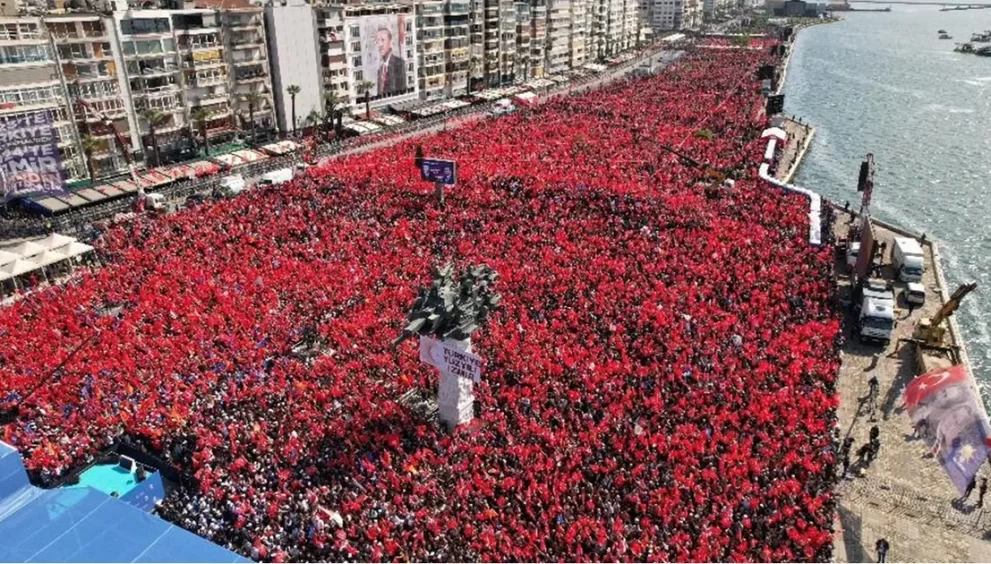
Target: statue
[445,315]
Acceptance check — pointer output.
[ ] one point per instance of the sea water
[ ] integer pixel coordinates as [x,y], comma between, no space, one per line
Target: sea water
[884,83]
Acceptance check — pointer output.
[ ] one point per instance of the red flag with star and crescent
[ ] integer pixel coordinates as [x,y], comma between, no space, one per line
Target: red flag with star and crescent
[931,382]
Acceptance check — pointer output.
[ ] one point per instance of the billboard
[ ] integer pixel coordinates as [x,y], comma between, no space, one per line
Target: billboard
[385,55]
[30,162]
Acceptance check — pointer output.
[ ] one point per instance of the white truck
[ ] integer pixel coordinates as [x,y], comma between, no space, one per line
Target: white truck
[234,184]
[908,260]
[876,321]
[276,177]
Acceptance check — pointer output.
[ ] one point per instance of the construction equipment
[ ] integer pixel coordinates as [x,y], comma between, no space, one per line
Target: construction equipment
[932,332]
[109,124]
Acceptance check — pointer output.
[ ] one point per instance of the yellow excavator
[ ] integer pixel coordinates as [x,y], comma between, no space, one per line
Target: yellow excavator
[932,332]
[932,350]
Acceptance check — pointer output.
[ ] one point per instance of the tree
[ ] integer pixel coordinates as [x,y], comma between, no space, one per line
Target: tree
[201,116]
[253,99]
[154,119]
[366,87]
[331,99]
[314,119]
[293,90]
[89,145]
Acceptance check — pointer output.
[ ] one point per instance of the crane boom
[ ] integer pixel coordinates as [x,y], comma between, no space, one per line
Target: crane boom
[109,123]
[953,303]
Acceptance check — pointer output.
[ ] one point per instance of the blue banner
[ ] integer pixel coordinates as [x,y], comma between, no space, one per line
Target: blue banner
[434,170]
[30,162]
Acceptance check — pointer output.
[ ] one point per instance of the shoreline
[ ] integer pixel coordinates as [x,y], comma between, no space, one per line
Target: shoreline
[904,495]
[956,334]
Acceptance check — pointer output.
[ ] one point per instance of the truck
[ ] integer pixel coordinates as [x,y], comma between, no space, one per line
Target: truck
[876,319]
[276,177]
[234,183]
[908,260]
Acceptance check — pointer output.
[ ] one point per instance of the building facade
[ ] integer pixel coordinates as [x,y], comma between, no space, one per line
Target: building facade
[30,81]
[295,61]
[663,15]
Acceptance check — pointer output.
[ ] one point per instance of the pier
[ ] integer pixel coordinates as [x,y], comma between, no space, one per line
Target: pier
[904,495]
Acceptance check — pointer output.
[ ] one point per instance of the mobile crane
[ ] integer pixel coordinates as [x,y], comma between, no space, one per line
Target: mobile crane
[109,124]
[153,202]
[932,351]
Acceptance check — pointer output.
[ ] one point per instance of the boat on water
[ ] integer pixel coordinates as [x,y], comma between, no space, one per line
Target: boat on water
[945,36]
[983,51]
[941,32]
[964,48]
[984,37]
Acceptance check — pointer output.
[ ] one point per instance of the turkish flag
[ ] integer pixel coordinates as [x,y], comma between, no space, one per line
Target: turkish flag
[931,382]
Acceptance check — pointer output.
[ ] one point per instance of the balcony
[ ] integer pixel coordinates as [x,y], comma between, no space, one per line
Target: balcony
[239,24]
[195,30]
[249,61]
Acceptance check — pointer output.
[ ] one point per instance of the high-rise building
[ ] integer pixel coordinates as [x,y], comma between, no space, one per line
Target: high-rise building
[30,81]
[371,47]
[249,77]
[430,49]
[294,55]
[665,15]
[93,71]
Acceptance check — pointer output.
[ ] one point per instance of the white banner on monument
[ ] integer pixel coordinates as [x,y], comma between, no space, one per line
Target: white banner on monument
[463,364]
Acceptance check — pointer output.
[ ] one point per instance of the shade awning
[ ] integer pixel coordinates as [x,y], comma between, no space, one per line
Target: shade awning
[91,195]
[52,205]
[26,249]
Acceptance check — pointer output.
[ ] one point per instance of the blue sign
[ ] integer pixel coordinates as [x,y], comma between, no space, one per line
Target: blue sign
[30,162]
[434,170]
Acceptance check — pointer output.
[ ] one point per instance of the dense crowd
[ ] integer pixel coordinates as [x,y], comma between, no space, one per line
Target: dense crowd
[658,385]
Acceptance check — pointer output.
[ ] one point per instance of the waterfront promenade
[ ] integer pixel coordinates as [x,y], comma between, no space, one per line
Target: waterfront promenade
[904,495]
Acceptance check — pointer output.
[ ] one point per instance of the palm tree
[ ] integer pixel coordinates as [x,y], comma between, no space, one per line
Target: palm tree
[89,145]
[154,119]
[366,86]
[293,90]
[201,116]
[314,119]
[253,99]
[331,99]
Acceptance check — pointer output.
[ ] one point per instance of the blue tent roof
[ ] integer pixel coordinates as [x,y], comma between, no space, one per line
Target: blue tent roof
[85,525]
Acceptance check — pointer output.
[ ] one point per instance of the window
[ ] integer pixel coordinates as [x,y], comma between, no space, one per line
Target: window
[29,31]
[410,67]
[129,48]
[93,29]
[356,61]
[13,54]
[31,96]
[355,31]
[141,26]
[169,45]
[409,39]
[63,29]
[359,76]
[356,46]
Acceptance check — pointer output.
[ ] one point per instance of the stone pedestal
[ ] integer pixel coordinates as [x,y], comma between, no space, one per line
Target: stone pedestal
[455,395]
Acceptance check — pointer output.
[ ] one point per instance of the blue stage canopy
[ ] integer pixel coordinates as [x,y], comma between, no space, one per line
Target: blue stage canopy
[85,525]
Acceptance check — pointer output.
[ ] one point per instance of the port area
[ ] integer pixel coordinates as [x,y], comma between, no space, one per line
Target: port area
[904,495]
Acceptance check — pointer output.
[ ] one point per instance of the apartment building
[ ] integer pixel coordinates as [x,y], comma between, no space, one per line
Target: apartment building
[30,81]
[457,47]
[94,75]
[432,74]
[522,62]
[665,15]
[249,76]
[295,58]
[333,56]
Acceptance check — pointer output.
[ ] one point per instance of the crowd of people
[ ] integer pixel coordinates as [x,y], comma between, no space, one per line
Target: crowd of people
[658,384]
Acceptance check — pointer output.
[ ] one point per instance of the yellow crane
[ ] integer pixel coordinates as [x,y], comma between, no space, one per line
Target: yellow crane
[931,332]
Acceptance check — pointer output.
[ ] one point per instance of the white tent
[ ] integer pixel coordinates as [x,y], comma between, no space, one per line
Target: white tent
[76,248]
[16,268]
[7,257]
[28,249]
[49,257]
[55,241]
[775,132]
